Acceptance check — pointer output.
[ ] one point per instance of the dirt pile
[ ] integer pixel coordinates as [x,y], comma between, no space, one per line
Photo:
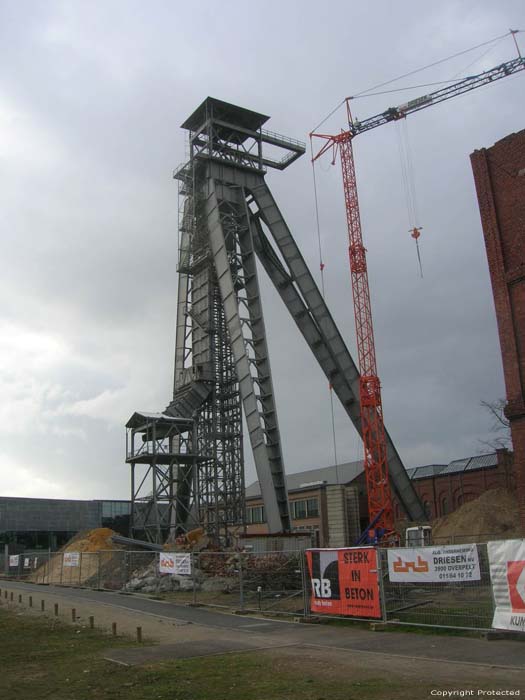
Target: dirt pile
[94,549]
[494,515]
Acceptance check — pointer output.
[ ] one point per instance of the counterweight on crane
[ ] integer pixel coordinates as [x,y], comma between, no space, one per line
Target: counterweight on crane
[373,431]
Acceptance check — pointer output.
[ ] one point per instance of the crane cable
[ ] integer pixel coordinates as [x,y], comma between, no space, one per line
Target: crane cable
[321,268]
[369,93]
[409,186]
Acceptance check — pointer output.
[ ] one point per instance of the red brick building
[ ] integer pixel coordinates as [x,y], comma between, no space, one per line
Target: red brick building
[499,174]
[331,502]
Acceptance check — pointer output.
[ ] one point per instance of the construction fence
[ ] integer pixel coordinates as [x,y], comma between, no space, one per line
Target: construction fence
[439,586]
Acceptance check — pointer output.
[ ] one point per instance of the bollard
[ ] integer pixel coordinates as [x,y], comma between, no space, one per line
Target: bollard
[91,622]
[5,594]
[42,605]
[114,628]
[11,597]
[19,597]
[139,634]
[56,609]
[73,614]
[30,601]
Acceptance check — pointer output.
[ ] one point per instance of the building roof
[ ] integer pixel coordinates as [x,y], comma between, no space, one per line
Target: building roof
[458,465]
[345,473]
[340,474]
[225,111]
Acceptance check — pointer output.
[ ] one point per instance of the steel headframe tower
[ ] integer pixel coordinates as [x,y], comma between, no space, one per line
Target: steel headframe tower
[228,218]
[221,354]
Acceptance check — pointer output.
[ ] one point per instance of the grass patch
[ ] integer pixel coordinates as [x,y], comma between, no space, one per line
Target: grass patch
[43,658]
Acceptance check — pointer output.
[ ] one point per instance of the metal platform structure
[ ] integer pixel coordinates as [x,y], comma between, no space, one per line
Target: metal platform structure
[228,218]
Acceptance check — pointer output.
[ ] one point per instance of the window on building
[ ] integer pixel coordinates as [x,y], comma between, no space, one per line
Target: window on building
[312,507]
[302,509]
[255,515]
[428,509]
[444,506]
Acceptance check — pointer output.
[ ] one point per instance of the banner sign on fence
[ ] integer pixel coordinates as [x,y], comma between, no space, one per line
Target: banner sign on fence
[175,563]
[344,581]
[450,563]
[507,573]
[14,559]
[71,558]
[27,562]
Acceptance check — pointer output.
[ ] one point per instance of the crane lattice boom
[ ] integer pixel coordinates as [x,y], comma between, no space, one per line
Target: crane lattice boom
[373,430]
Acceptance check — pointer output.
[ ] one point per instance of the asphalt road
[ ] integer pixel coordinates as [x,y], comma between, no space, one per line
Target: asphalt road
[450,649]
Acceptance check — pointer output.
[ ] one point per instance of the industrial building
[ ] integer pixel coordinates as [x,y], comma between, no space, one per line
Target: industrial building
[331,502]
[499,174]
[48,523]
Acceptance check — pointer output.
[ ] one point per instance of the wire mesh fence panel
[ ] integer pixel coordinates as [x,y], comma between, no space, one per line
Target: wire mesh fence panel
[273,582]
[217,580]
[141,572]
[451,599]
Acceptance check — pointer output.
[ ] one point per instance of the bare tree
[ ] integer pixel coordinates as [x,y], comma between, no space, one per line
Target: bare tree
[500,429]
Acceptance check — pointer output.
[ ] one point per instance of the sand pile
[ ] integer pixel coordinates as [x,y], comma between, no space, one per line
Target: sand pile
[494,515]
[91,541]
[94,549]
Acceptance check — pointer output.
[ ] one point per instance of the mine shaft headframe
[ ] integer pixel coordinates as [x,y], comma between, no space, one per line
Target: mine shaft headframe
[230,134]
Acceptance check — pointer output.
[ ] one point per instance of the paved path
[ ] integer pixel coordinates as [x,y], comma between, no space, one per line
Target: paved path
[179,624]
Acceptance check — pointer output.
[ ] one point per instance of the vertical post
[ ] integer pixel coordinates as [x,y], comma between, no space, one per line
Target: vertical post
[379,557]
[305,581]
[56,609]
[6,559]
[241,582]
[91,622]
[193,577]
[62,569]
[98,568]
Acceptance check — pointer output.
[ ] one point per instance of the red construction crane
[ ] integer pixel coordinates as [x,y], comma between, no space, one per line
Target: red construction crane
[373,431]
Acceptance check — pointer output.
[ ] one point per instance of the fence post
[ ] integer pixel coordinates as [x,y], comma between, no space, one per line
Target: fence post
[98,567]
[62,569]
[382,597]
[304,582]
[194,582]
[80,569]
[241,583]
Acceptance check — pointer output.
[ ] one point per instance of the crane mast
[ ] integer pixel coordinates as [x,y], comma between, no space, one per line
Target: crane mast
[373,431]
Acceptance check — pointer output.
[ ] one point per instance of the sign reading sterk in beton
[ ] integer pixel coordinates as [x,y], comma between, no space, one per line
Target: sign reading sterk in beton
[344,581]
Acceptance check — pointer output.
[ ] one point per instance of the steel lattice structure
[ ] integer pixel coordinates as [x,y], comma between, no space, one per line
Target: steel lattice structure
[228,218]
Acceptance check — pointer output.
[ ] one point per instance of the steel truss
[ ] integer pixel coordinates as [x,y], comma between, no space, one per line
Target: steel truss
[226,220]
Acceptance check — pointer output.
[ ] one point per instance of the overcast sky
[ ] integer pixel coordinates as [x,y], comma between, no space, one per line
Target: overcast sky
[91,98]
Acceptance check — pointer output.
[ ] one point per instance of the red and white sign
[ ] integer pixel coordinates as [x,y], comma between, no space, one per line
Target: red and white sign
[446,564]
[71,558]
[175,563]
[507,573]
[344,581]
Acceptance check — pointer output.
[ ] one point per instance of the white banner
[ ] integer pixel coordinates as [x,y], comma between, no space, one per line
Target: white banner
[449,563]
[71,558]
[175,563]
[27,562]
[507,573]
[13,559]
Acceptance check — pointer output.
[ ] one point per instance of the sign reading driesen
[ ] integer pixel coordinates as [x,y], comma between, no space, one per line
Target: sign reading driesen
[434,564]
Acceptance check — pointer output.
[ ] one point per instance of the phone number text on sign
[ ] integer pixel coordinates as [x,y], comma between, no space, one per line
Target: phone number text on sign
[434,564]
